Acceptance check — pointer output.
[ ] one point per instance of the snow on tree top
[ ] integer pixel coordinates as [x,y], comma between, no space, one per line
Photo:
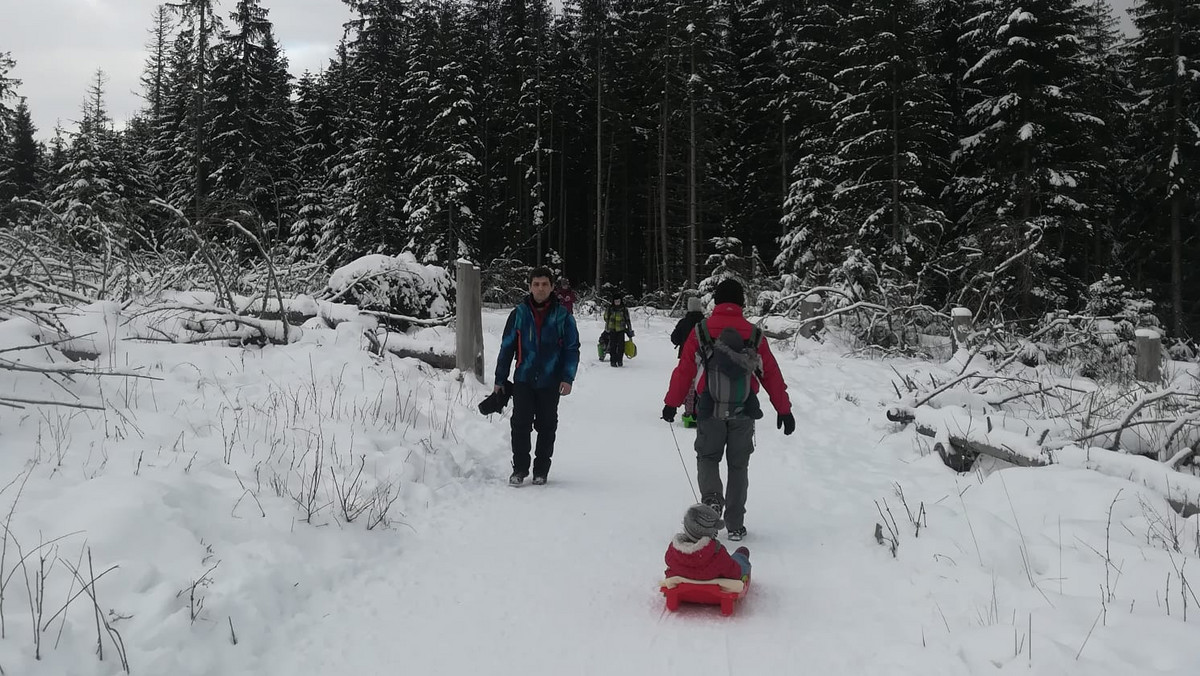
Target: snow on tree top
[1147,333]
[960,312]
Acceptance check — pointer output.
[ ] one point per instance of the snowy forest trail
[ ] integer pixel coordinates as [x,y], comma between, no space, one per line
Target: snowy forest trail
[562,578]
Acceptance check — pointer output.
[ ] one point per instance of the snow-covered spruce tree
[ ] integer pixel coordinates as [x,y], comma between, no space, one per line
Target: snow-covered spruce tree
[1029,163]
[442,221]
[316,127]
[959,33]
[733,259]
[1165,69]
[1109,95]
[519,101]
[761,32]
[139,187]
[90,197]
[892,136]
[370,216]
[814,232]
[346,126]
[173,155]
[202,25]
[22,161]
[252,124]
[7,93]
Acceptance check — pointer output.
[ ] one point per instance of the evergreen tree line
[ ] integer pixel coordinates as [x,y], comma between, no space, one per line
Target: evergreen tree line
[1000,154]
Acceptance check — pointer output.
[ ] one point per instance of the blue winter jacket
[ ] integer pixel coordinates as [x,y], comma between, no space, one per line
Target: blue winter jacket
[543,360]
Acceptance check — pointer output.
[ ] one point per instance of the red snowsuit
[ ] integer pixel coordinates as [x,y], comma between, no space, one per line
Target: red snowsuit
[723,315]
[566,298]
[705,559]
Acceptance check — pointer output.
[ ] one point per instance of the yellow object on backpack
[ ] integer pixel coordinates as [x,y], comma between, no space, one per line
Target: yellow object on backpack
[630,349]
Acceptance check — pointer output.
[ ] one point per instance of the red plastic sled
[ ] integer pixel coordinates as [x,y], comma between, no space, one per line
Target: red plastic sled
[724,593]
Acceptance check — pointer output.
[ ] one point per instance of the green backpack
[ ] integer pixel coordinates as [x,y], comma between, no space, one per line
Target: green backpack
[730,366]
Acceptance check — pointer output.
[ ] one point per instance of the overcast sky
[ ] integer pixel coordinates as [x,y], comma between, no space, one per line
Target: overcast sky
[59,44]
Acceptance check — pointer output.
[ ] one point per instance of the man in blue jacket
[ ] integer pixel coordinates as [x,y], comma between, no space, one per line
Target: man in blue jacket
[542,336]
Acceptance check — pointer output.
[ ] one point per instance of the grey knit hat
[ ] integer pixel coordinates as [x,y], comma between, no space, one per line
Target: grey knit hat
[695,305]
[701,521]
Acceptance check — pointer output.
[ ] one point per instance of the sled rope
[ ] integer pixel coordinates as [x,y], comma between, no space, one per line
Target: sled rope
[683,462]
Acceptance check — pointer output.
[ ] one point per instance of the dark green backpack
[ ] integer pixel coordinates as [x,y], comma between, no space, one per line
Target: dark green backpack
[730,366]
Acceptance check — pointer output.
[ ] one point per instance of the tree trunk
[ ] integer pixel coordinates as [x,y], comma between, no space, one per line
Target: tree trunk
[599,174]
[539,208]
[198,114]
[665,256]
[783,174]
[692,178]
[897,235]
[1176,198]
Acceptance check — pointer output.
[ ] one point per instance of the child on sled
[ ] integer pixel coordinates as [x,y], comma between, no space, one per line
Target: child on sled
[696,554]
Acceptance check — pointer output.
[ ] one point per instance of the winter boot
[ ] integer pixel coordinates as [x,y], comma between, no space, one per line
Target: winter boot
[539,480]
[717,504]
[517,479]
[736,534]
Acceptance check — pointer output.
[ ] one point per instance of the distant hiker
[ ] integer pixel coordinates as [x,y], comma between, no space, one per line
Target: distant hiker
[617,326]
[735,358]
[566,295]
[679,336]
[695,312]
[695,552]
[541,334]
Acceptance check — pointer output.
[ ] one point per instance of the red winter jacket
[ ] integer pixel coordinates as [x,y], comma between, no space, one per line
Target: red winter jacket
[723,315]
[705,559]
[566,298]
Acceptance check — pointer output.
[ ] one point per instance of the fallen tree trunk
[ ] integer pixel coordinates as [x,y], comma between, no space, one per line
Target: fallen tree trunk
[439,360]
[959,454]
[435,359]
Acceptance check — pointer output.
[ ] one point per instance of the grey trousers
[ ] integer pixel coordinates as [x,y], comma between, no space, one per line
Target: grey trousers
[733,439]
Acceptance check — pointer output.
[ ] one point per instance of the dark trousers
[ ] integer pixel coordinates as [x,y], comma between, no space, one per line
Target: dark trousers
[533,409]
[733,440]
[616,347]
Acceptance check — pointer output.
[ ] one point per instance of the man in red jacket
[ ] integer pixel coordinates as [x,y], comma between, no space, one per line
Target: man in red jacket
[731,436]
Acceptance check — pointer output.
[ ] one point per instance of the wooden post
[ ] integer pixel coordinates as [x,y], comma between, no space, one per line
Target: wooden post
[960,327]
[810,307]
[1149,354]
[468,328]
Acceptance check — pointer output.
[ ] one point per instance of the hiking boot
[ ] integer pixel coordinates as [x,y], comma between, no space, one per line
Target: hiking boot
[717,505]
[736,534]
[517,479]
[688,420]
[539,480]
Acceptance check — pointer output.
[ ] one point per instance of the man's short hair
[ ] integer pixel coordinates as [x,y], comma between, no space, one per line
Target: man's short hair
[541,271]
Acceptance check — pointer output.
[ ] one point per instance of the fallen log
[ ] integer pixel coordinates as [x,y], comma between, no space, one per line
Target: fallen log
[435,359]
[959,454]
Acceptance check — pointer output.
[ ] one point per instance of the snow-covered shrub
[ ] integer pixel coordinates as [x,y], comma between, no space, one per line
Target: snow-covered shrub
[1129,310]
[505,280]
[395,284]
[890,317]
[1099,343]
[731,261]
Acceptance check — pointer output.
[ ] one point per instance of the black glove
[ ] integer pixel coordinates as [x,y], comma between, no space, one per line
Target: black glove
[787,422]
[630,333]
[668,413]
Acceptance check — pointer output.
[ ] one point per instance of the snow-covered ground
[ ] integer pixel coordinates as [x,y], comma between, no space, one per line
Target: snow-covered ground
[195,486]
